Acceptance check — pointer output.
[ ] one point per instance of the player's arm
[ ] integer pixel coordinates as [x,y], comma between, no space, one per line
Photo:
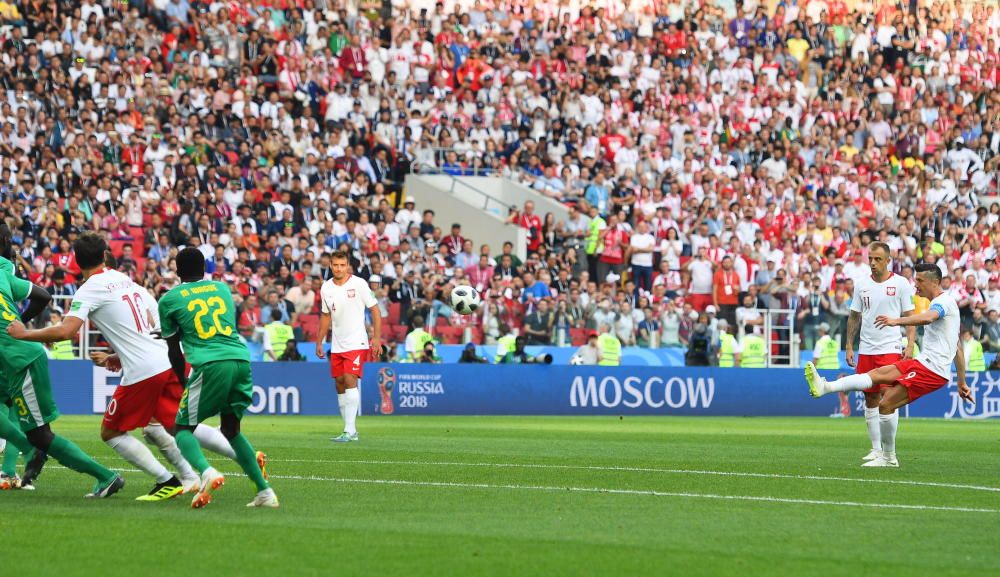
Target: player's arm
[924,318]
[63,331]
[376,331]
[963,388]
[176,356]
[911,337]
[853,325]
[324,329]
[38,299]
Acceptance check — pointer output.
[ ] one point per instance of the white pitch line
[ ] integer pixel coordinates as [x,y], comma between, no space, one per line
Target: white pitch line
[605,491]
[646,470]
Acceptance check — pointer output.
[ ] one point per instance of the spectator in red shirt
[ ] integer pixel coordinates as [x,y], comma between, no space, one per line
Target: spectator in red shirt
[726,290]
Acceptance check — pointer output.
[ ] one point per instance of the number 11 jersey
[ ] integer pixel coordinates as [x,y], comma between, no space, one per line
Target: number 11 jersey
[118,308]
[204,316]
[872,299]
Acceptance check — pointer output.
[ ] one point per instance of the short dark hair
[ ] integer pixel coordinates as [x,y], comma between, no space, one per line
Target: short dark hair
[275,314]
[340,254]
[931,269]
[89,250]
[6,242]
[190,264]
[880,246]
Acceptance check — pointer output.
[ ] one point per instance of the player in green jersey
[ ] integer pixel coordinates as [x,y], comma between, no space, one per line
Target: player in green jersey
[28,386]
[17,443]
[200,315]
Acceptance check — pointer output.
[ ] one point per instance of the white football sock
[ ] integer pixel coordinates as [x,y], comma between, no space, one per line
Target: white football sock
[342,404]
[139,455]
[157,435]
[213,440]
[353,403]
[850,383]
[874,431]
[888,424]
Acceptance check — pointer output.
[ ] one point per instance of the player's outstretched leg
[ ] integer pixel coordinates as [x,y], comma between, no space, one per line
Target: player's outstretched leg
[156,435]
[72,457]
[818,386]
[247,459]
[211,479]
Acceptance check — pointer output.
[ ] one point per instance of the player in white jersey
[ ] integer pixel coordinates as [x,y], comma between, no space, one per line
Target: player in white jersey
[881,294]
[909,379]
[344,299]
[149,392]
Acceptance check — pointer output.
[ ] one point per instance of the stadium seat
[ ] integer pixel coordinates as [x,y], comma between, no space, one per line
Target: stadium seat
[449,335]
[393,317]
[310,326]
[578,337]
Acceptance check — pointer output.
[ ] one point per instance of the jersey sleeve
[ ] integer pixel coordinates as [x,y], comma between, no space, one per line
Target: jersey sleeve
[168,327]
[907,293]
[19,288]
[367,296]
[939,308]
[85,300]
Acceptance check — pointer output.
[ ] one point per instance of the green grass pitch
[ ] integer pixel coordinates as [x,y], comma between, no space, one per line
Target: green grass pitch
[540,496]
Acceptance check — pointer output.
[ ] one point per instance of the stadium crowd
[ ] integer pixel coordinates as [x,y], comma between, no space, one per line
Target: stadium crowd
[718,158]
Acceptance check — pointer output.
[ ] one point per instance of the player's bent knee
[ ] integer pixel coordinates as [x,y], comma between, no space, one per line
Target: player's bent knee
[41,438]
[108,434]
[230,426]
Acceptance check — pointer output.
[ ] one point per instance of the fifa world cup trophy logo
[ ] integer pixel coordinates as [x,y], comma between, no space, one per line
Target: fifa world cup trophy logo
[386,382]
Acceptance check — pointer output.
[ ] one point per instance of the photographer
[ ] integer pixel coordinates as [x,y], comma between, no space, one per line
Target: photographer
[291,352]
[427,355]
[469,355]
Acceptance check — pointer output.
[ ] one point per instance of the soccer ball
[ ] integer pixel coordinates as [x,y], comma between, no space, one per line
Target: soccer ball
[465,300]
[576,360]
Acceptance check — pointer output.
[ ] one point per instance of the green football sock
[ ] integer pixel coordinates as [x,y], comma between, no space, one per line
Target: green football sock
[247,458]
[191,450]
[13,435]
[68,454]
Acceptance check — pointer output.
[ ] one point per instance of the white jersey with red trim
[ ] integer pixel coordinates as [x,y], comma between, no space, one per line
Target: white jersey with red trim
[346,304]
[941,337]
[872,299]
[118,308]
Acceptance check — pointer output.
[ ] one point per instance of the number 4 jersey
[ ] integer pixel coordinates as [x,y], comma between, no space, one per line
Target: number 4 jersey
[872,299]
[202,313]
[121,310]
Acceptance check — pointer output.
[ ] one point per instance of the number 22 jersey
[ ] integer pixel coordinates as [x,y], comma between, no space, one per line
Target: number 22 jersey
[204,316]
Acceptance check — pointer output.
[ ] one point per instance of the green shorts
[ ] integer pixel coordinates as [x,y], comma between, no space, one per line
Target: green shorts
[30,393]
[216,388]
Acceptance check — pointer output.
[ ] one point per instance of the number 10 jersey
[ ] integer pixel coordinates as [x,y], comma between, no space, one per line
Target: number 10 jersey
[118,308]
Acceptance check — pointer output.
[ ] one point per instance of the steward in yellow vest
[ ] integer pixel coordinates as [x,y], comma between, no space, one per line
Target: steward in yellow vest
[974,359]
[754,355]
[416,340]
[505,346]
[826,355]
[610,348]
[729,348]
[278,335]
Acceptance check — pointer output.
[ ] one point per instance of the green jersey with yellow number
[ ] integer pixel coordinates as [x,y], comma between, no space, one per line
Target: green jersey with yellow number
[204,316]
[15,355]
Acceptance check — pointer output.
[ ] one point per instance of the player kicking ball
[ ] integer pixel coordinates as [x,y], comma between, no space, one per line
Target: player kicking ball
[344,299]
[909,379]
[881,294]
[149,393]
[199,314]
